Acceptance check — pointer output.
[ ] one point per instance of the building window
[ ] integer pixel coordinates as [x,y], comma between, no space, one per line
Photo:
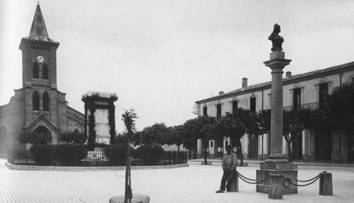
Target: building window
[296,99]
[205,111]
[322,94]
[218,111]
[253,104]
[234,106]
[211,144]
[226,143]
[35,73]
[35,101]
[45,72]
[45,101]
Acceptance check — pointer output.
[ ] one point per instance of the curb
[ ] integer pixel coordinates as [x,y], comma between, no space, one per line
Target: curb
[256,163]
[87,168]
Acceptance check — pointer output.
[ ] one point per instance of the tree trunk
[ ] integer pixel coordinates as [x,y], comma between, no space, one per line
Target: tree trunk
[177,155]
[290,158]
[128,190]
[205,146]
[239,151]
[289,139]
[241,155]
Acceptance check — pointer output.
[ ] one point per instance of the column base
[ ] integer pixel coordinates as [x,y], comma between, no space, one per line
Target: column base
[277,164]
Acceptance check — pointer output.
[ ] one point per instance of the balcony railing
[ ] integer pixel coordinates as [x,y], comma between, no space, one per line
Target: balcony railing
[313,105]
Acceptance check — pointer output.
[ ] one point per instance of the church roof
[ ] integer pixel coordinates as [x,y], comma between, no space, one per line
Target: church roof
[38,29]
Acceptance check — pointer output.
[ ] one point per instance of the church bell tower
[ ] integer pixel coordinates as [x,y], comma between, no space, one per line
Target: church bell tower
[39,74]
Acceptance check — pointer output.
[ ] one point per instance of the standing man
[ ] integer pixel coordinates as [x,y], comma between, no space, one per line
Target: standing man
[229,163]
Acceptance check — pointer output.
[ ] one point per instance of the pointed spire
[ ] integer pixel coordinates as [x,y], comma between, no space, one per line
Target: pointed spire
[38,29]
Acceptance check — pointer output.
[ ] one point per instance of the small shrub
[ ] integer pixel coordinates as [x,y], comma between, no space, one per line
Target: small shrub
[117,154]
[70,154]
[18,154]
[43,154]
[73,137]
[149,155]
[39,138]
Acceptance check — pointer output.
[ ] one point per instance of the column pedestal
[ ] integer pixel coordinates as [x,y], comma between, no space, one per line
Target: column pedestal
[279,165]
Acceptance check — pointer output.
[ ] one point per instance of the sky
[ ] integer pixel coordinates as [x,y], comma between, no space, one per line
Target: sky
[160,56]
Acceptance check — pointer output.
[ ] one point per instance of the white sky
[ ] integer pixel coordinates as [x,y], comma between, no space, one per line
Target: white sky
[160,56]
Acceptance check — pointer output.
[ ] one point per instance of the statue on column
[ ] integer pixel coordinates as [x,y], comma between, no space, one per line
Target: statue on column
[276,39]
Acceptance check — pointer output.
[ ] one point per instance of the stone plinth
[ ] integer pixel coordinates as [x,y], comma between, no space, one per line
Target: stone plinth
[137,198]
[278,166]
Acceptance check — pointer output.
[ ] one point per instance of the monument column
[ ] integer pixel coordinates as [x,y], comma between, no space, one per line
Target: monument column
[276,164]
[276,63]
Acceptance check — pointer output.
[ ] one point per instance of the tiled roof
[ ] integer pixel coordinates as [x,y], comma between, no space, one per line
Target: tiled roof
[292,79]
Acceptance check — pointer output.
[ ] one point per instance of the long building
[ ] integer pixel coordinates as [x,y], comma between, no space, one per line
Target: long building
[307,90]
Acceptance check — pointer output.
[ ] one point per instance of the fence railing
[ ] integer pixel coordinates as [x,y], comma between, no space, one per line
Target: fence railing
[174,157]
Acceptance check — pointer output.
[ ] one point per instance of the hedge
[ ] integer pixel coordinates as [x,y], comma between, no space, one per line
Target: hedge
[70,154]
[149,154]
[117,154]
[43,154]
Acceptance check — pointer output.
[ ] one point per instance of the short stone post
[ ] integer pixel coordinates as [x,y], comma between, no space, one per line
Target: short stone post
[234,184]
[326,187]
[275,187]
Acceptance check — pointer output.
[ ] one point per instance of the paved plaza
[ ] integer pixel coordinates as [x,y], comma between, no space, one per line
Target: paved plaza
[196,183]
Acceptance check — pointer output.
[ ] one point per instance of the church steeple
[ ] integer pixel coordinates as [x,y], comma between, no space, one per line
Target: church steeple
[39,55]
[38,29]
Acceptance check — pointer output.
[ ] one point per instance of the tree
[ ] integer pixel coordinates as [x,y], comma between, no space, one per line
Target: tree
[188,136]
[205,128]
[24,137]
[74,137]
[232,126]
[294,122]
[34,138]
[153,135]
[340,109]
[121,138]
[263,119]
[174,136]
[200,127]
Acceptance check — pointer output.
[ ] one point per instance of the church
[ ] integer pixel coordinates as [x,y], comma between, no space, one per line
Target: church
[38,106]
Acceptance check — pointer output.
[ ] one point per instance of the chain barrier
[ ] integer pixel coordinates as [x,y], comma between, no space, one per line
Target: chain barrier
[288,180]
[249,180]
[304,181]
[284,180]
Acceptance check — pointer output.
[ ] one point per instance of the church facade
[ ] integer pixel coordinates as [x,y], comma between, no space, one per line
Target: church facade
[38,106]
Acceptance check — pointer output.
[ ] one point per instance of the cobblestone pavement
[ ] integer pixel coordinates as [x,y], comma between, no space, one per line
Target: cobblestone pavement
[196,183]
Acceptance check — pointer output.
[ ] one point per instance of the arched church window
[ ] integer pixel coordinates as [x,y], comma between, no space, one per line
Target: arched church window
[35,101]
[35,73]
[45,101]
[45,72]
